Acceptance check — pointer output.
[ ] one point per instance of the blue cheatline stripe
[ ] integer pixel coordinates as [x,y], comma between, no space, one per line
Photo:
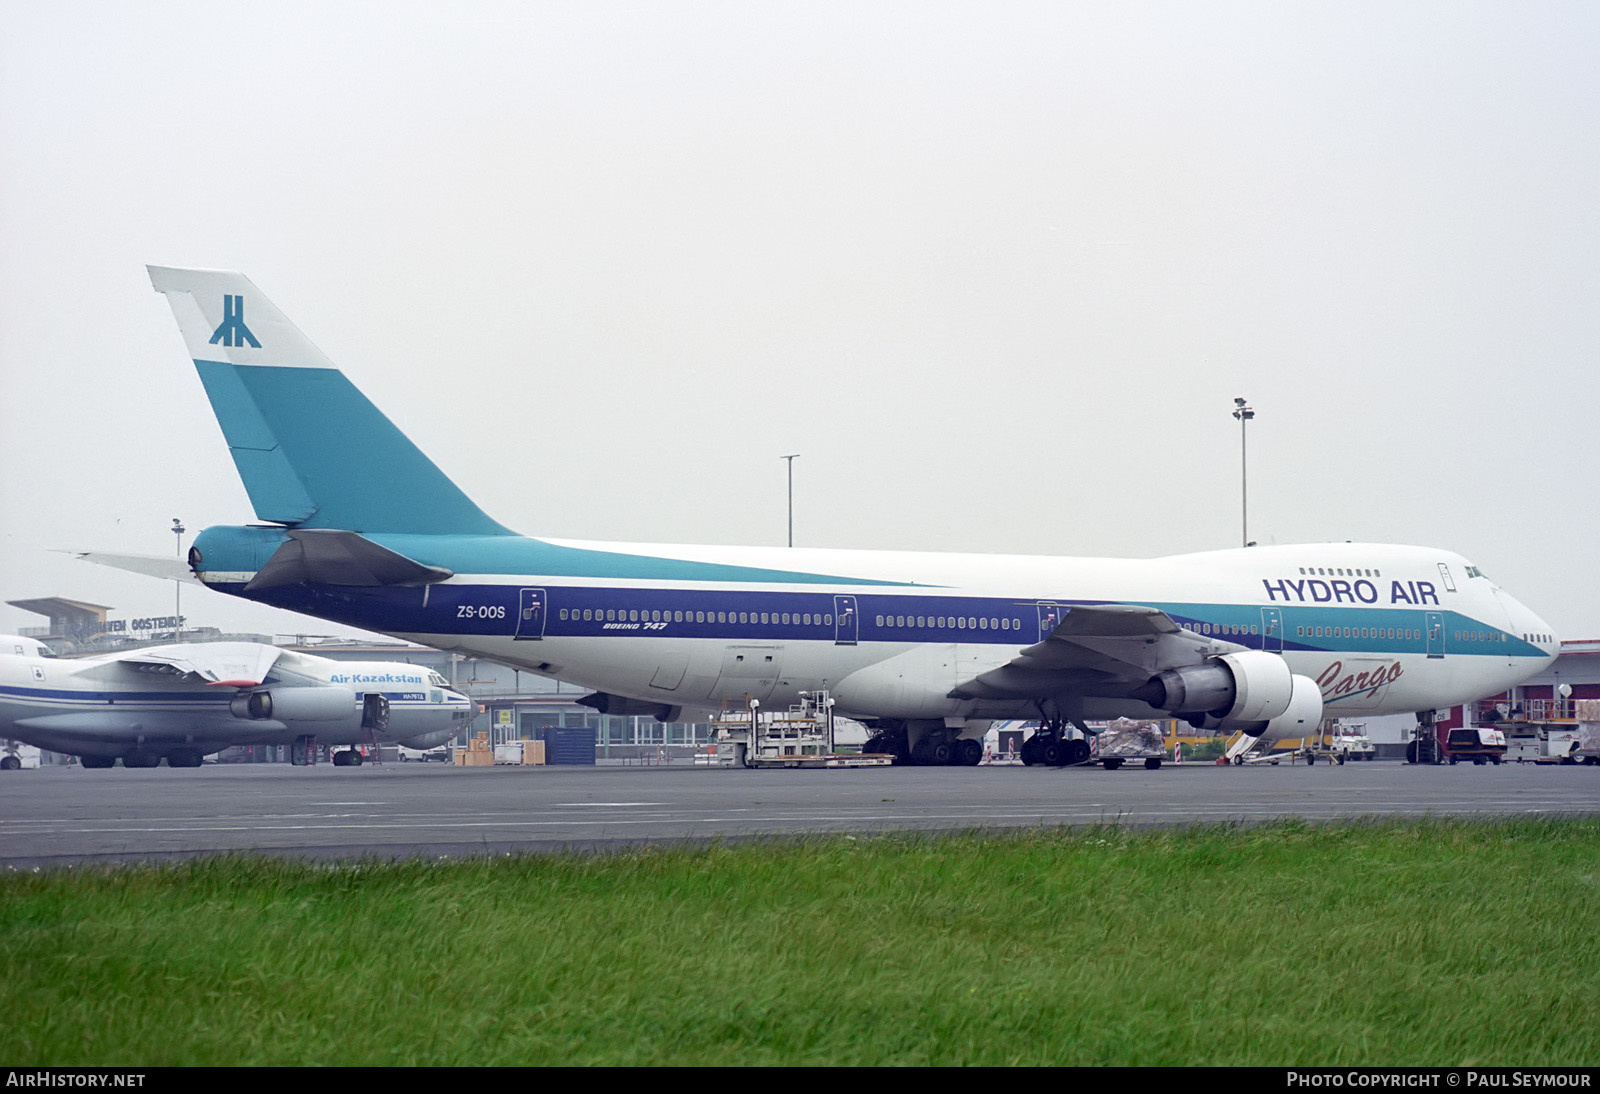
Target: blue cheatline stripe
[110,699]
[313,451]
[736,615]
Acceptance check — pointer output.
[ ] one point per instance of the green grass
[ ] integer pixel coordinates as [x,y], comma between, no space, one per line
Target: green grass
[1441,943]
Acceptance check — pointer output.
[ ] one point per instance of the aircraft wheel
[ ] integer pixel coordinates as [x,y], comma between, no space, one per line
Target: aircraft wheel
[1152,763]
[1411,752]
[1051,754]
[98,761]
[887,744]
[185,757]
[10,763]
[1077,750]
[969,753]
[1030,751]
[341,759]
[356,758]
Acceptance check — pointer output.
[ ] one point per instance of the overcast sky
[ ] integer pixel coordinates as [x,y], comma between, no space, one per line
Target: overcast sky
[996,271]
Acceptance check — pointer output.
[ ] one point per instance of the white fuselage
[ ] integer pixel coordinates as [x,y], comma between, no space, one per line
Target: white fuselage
[1380,628]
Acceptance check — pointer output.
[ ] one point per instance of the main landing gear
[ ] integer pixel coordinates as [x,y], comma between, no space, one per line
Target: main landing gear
[936,747]
[1051,747]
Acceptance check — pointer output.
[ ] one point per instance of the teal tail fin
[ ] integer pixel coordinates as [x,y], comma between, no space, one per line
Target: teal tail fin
[312,450]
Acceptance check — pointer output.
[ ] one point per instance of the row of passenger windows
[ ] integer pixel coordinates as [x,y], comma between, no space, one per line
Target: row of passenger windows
[958,622]
[803,619]
[1404,633]
[978,623]
[1219,628]
[632,615]
[1336,571]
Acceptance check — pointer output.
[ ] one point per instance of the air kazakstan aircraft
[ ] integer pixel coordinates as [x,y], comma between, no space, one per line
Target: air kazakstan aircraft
[183,702]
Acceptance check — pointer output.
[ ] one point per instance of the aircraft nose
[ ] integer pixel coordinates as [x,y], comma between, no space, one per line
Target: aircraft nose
[1532,629]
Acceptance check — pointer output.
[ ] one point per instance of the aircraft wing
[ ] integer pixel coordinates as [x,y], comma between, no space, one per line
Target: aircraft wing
[1100,649]
[224,664]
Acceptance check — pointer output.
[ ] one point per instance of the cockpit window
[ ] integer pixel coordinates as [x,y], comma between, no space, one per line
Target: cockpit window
[436,680]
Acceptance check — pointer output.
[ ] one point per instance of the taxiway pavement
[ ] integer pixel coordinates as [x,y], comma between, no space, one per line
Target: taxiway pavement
[56,816]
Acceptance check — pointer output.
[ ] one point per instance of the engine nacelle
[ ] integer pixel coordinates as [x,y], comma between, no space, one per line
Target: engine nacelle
[1250,686]
[1302,717]
[322,703]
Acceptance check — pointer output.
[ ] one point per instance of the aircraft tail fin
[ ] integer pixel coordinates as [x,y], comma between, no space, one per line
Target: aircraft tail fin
[311,448]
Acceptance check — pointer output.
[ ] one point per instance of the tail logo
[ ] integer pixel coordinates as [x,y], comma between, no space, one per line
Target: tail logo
[232,331]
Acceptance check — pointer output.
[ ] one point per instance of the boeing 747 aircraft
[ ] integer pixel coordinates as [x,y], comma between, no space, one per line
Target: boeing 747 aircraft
[183,702]
[360,527]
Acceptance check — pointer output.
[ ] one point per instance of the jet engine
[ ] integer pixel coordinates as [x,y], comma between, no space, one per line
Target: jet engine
[1252,691]
[1302,717]
[319,703]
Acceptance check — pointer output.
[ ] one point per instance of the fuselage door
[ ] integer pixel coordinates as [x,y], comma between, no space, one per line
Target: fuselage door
[1272,630]
[1050,616]
[1435,622]
[845,624]
[530,614]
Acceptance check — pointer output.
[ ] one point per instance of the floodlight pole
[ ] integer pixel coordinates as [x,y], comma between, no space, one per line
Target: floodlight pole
[791,459]
[1242,411]
[177,586]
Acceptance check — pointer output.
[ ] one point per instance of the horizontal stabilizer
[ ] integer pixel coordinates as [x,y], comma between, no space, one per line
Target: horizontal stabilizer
[327,557]
[165,567]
